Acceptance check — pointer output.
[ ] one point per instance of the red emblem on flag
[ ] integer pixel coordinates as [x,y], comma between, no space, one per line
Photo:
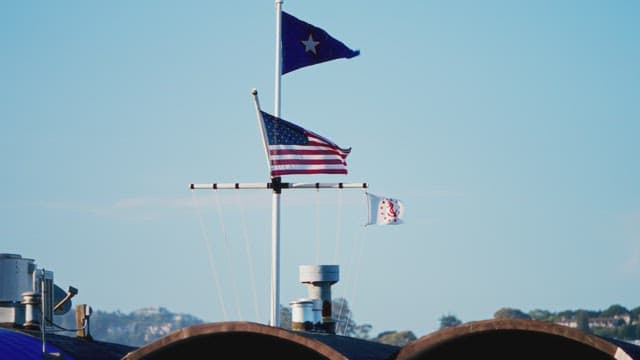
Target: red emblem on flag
[389,210]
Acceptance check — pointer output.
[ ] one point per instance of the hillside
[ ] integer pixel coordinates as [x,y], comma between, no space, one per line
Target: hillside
[145,325]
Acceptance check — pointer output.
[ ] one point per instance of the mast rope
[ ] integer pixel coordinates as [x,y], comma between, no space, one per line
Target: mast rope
[228,253]
[357,250]
[243,219]
[212,265]
[317,226]
[352,294]
[336,254]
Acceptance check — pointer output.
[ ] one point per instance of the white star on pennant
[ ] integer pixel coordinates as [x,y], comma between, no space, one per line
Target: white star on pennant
[310,44]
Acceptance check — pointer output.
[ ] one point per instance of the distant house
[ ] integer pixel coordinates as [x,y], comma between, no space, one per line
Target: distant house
[569,322]
[610,322]
[607,322]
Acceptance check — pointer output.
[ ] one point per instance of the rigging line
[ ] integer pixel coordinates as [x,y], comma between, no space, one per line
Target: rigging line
[338,226]
[357,240]
[227,247]
[355,281]
[339,317]
[357,258]
[317,226]
[212,265]
[337,247]
[358,265]
[347,285]
[243,218]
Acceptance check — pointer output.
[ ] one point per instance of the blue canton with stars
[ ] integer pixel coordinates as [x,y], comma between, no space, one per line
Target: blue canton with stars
[281,132]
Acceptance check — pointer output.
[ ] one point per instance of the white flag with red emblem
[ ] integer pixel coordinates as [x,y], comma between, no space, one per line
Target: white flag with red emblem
[384,210]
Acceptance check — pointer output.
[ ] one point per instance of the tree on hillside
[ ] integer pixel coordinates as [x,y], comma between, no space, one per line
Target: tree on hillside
[541,315]
[449,321]
[566,314]
[343,317]
[285,317]
[509,313]
[396,338]
[362,331]
[582,321]
[614,310]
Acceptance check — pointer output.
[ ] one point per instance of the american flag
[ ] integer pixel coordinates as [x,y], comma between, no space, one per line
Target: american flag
[294,150]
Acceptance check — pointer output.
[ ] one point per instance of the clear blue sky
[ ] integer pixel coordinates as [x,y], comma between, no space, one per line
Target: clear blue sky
[509,130]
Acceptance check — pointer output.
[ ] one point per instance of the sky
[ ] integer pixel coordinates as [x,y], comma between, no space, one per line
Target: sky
[509,130]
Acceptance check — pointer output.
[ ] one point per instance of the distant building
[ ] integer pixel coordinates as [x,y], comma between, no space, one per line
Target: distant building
[599,322]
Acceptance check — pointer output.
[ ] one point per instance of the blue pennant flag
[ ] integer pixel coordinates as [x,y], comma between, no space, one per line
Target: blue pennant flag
[304,44]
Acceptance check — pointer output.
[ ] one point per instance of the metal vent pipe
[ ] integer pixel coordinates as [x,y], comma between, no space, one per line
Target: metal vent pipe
[319,279]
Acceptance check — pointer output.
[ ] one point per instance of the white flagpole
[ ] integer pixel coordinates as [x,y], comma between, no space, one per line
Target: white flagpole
[275,206]
[275,251]
[276,111]
[263,132]
[274,319]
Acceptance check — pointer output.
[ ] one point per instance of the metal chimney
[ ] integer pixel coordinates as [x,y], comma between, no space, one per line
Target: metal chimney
[33,310]
[302,315]
[16,277]
[319,279]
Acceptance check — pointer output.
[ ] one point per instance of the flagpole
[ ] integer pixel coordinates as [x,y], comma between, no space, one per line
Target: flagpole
[276,181]
[274,318]
[263,132]
[275,251]
[278,73]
